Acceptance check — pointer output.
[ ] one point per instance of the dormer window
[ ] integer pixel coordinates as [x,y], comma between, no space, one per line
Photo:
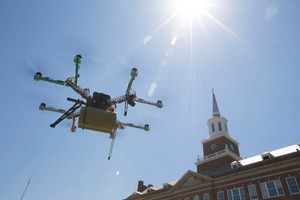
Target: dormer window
[266,155]
[235,165]
[213,127]
[220,126]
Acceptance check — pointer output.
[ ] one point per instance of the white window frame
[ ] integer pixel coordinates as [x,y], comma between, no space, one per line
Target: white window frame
[252,192]
[296,185]
[218,194]
[187,198]
[206,196]
[266,190]
[196,197]
[241,193]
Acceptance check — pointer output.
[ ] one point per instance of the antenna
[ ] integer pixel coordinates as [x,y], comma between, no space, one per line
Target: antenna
[26,188]
[113,137]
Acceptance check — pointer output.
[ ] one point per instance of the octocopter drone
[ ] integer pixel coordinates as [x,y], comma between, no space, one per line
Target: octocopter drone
[96,112]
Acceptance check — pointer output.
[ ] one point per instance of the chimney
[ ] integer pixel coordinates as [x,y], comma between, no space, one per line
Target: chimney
[141,187]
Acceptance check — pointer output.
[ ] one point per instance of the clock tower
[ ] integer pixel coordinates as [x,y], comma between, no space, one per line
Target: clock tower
[219,150]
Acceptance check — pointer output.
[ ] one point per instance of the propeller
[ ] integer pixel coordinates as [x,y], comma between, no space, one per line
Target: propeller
[26,68]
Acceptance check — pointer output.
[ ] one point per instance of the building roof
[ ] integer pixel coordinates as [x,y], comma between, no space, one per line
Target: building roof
[275,153]
[191,178]
[158,187]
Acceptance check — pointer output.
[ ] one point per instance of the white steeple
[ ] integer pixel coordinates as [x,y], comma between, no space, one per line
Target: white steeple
[216,112]
[217,125]
[219,149]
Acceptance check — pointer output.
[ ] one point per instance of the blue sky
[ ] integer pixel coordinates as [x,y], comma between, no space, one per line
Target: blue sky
[247,51]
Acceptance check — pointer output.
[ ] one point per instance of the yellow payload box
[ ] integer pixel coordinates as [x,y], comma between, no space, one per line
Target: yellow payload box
[97,120]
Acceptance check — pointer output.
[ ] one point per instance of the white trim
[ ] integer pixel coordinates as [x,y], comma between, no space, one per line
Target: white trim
[206,196]
[219,193]
[196,197]
[250,192]
[241,192]
[265,190]
[218,155]
[292,193]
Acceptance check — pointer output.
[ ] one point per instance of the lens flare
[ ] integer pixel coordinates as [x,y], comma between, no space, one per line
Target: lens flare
[152,89]
[174,40]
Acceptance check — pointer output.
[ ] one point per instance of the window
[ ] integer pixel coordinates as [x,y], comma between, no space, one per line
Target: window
[266,155]
[272,189]
[196,197]
[206,196]
[226,129]
[187,198]
[293,186]
[236,194]
[221,195]
[220,126]
[213,127]
[252,192]
[235,165]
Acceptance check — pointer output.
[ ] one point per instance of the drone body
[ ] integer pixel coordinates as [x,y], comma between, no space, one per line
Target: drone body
[97,112]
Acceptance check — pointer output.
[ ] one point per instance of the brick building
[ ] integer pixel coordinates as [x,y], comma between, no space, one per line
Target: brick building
[223,175]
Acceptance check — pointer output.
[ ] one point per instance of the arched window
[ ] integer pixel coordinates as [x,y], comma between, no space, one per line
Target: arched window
[213,127]
[220,126]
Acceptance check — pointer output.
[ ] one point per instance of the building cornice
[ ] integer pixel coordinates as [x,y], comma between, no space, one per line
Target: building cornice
[218,135]
[217,155]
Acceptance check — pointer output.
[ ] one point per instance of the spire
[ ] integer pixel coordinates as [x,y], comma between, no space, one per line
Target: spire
[216,112]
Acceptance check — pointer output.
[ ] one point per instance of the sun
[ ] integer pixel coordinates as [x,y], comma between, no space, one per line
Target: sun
[187,14]
[192,8]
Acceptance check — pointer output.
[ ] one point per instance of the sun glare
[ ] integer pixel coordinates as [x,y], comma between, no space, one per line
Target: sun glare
[191,8]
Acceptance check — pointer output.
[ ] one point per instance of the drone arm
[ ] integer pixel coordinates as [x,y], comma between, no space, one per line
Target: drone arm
[77,61]
[121,99]
[38,76]
[122,125]
[84,93]
[52,109]
[133,74]
[49,108]
[116,100]
[158,104]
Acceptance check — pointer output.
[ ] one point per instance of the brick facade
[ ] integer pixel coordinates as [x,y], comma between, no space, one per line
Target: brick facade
[223,175]
[219,143]
[193,184]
